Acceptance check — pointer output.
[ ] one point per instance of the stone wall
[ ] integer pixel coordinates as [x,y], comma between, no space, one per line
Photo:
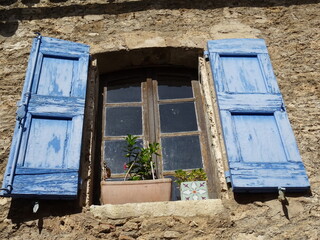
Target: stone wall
[291,30]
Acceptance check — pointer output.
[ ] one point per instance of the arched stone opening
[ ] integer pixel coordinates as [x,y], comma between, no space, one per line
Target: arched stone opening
[146,57]
[123,60]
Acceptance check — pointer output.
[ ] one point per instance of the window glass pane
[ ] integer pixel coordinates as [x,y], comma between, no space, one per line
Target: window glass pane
[121,121]
[174,87]
[114,155]
[130,92]
[181,152]
[178,117]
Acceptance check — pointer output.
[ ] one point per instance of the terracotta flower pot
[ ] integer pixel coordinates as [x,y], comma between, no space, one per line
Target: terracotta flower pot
[119,192]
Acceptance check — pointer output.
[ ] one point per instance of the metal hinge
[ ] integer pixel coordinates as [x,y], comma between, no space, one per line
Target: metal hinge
[21,112]
[228,176]
[281,194]
[36,207]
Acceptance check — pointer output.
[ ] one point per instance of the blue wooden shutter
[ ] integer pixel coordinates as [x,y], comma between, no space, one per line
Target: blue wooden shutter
[45,153]
[261,149]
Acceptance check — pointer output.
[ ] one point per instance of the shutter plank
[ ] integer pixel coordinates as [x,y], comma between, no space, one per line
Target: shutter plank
[55,76]
[46,143]
[56,106]
[249,102]
[74,147]
[60,185]
[288,137]
[229,136]
[237,46]
[267,71]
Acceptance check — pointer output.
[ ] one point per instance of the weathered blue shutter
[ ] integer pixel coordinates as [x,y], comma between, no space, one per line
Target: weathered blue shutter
[261,149]
[45,153]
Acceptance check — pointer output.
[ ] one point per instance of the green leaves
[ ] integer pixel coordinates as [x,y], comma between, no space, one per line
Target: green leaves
[140,165]
[190,176]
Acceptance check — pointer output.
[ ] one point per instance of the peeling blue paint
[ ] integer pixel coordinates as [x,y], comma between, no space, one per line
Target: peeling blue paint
[55,144]
[49,154]
[261,148]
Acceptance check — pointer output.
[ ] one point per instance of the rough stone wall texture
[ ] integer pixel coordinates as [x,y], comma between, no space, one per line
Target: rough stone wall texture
[291,30]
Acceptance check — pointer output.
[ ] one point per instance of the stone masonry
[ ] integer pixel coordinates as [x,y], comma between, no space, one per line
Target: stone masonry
[291,29]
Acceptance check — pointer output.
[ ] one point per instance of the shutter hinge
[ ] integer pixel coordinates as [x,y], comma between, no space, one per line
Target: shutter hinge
[36,206]
[228,176]
[21,113]
[22,108]
[281,192]
[206,55]
[283,107]
[38,35]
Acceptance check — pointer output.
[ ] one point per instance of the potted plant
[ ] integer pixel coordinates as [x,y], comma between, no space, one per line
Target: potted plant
[192,184]
[140,183]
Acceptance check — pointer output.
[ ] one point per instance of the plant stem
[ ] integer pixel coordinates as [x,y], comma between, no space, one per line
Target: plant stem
[151,163]
[125,177]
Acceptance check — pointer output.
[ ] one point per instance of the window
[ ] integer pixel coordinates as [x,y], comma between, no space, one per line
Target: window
[158,105]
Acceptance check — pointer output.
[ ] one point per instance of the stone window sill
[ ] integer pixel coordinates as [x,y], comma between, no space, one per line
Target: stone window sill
[210,207]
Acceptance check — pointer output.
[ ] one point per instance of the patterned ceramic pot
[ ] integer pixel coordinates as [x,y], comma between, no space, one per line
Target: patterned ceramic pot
[196,190]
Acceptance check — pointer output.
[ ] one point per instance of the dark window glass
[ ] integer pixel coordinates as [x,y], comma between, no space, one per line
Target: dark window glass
[121,121]
[124,93]
[178,117]
[172,88]
[181,152]
[114,155]
[175,189]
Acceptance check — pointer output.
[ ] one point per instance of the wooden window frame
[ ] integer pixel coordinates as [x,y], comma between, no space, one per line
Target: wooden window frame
[150,113]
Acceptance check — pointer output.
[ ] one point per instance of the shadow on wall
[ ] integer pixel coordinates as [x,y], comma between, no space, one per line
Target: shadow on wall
[64,8]
[27,2]
[7,29]
[246,198]
[21,210]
